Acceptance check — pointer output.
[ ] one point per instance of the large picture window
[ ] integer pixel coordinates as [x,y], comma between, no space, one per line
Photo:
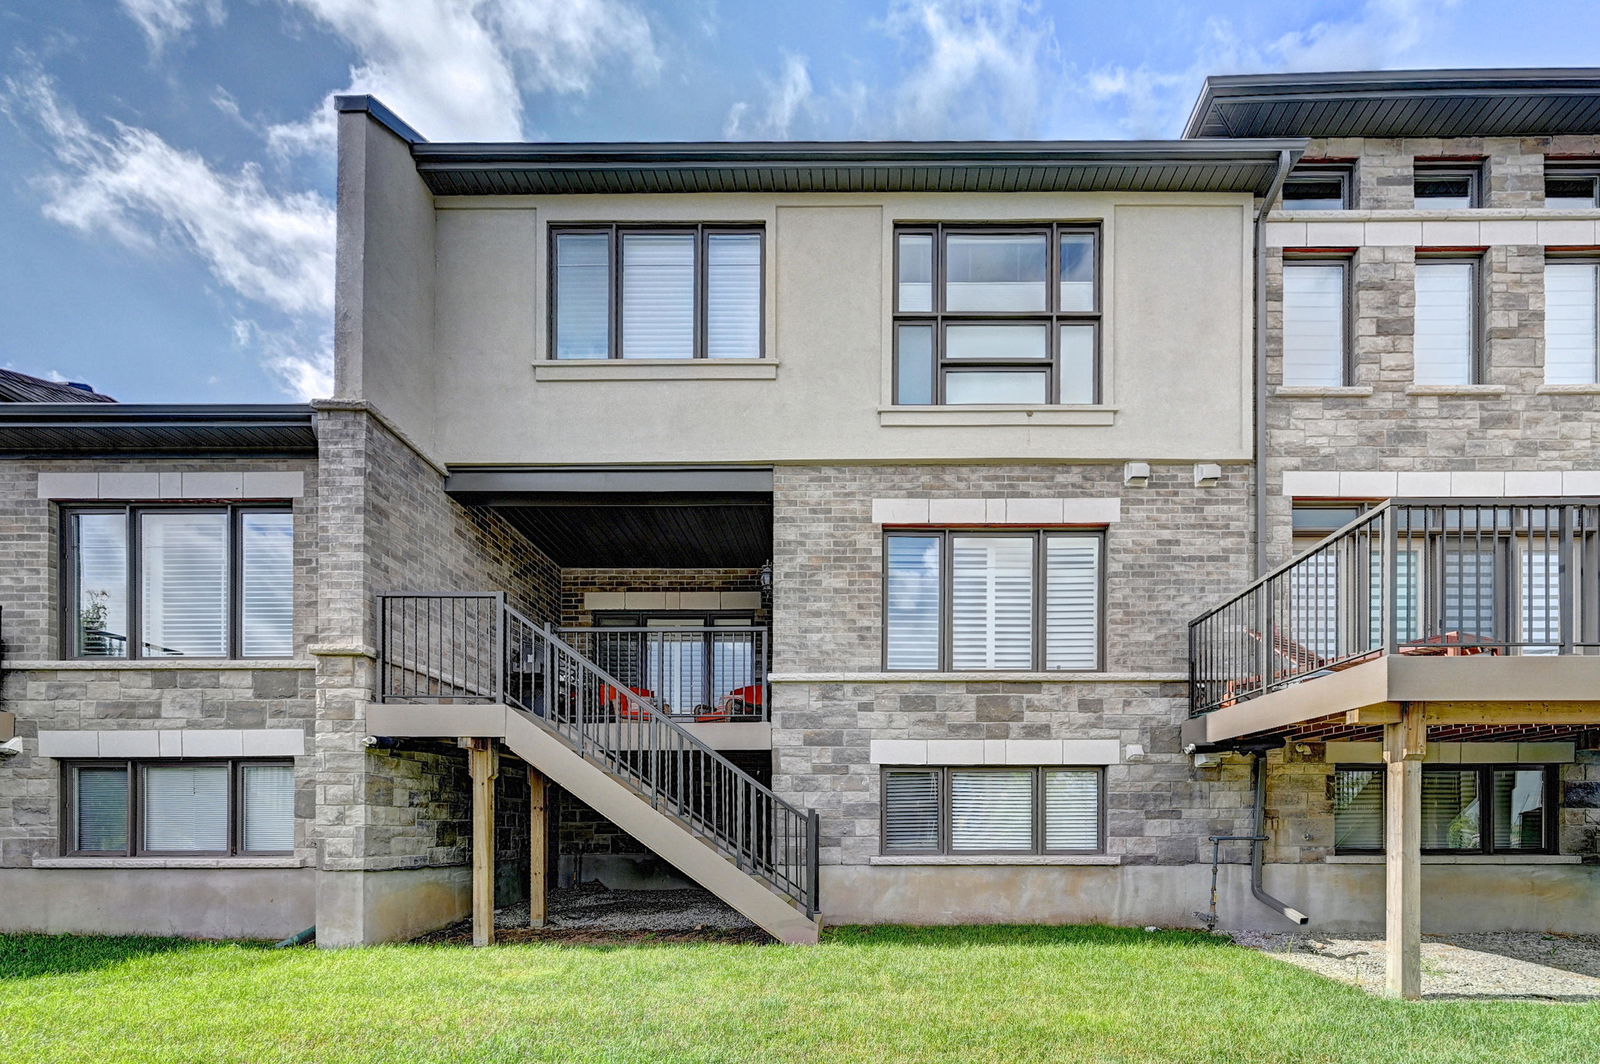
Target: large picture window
[997,315]
[178,808]
[992,810]
[656,292]
[155,582]
[990,599]
[1465,809]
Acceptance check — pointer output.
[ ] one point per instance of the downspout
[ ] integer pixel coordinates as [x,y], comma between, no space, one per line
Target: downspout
[1285,161]
[1258,771]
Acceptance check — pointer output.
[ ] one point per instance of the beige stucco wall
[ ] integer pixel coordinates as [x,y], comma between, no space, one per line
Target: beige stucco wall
[1176,295]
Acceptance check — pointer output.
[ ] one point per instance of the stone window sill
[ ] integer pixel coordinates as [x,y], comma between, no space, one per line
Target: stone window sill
[991,416]
[978,677]
[1568,389]
[1486,390]
[988,860]
[1453,214]
[664,369]
[160,664]
[1464,859]
[286,861]
[1348,391]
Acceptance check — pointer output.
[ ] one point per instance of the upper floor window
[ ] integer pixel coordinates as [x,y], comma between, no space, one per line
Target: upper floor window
[997,314]
[1571,321]
[652,292]
[1446,186]
[992,600]
[1315,312]
[153,582]
[1317,190]
[1568,189]
[1446,338]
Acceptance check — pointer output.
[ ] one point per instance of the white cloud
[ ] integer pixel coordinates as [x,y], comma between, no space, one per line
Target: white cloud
[163,20]
[785,98]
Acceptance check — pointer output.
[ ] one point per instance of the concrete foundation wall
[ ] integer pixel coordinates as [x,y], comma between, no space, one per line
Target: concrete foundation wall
[190,902]
[365,908]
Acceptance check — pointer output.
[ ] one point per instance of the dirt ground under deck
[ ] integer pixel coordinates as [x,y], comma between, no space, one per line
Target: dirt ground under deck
[593,915]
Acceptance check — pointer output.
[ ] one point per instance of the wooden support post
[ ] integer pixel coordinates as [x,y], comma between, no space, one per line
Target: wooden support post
[1404,745]
[538,850]
[483,765]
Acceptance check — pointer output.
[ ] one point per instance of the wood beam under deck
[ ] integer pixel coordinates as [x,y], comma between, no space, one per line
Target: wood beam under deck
[483,766]
[1404,746]
[538,849]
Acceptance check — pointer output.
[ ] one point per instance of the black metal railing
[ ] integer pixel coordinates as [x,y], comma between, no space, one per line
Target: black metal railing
[474,648]
[1411,576]
[704,673]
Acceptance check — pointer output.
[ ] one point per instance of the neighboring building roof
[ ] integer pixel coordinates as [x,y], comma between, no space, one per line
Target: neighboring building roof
[20,388]
[74,430]
[1400,103]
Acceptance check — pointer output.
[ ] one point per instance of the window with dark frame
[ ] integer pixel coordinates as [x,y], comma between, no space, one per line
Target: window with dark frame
[1318,189]
[1478,809]
[1572,188]
[1447,185]
[656,291]
[154,808]
[992,599]
[992,810]
[1316,322]
[997,314]
[1447,330]
[1571,320]
[178,581]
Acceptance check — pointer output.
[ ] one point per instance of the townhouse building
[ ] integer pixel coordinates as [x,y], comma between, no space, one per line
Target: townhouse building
[868,532]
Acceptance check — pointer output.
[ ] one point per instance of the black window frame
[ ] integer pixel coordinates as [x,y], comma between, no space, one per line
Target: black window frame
[1589,172]
[134,767]
[1448,170]
[68,589]
[946,599]
[1485,773]
[1346,262]
[944,849]
[1477,352]
[1052,317]
[1305,175]
[614,232]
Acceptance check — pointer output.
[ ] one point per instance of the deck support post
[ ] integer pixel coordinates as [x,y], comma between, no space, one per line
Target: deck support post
[483,765]
[538,849]
[1404,745]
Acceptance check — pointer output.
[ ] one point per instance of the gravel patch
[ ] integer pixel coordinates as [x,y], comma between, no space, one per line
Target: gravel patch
[1508,964]
[594,916]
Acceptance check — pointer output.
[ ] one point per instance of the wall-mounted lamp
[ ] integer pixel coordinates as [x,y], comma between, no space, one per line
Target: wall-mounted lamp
[764,577]
[1206,474]
[1136,475]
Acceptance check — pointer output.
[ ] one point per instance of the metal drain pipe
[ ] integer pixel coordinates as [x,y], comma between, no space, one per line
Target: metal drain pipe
[1257,848]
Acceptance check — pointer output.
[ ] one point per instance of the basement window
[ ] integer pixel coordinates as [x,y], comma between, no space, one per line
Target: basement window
[1478,809]
[178,808]
[962,811]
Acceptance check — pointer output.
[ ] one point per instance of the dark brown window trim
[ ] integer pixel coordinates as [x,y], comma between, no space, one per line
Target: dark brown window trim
[68,590]
[614,232]
[1552,808]
[134,767]
[944,849]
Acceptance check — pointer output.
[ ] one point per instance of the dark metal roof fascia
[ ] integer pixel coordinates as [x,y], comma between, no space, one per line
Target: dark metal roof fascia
[40,429]
[138,415]
[378,112]
[502,482]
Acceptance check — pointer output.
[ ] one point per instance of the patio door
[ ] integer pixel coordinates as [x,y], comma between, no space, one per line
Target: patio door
[681,659]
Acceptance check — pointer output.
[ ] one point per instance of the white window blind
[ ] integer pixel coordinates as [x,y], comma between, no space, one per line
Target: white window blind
[583,295]
[1539,612]
[1444,323]
[101,575]
[1072,602]
[186,808]
[733,295]
[100,804]
[916,272]
[996,272]
[1357,809]
[912,619]
[1313,324]
[911,811]
[268,792]
[267,553]
[1571,310]
[658,295]
[1071,809]
[184,584]
[991,602]
[991,811]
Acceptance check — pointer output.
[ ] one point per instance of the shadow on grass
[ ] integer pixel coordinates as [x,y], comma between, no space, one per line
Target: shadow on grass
[1019,935]
[31,956]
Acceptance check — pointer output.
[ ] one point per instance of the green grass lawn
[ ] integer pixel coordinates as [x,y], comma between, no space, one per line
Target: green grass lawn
[878,995]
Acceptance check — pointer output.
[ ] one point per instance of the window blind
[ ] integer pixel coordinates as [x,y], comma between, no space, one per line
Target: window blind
[101,575]
[911,811]
[1313,324]
[733,295]
[658,295]
[1444,323]
[100,802]
[1450,811]
[991,810]
[1077,271]
[1072,602]
[267,584]
[1358,809]
[184,585]
[1071,809]
[268,792]
[583,295]
[186,808]
[912,615]
[1571,311]
[1468,586]
[1519,814]
[1539,611]
[1077,363]
[995,272]
[916,272]
[991,602]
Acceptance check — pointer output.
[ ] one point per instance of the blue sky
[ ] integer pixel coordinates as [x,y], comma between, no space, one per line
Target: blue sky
[166,166]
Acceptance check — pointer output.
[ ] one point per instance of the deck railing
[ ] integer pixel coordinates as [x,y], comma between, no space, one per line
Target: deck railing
[474,648]
[699,673]
[1411,576]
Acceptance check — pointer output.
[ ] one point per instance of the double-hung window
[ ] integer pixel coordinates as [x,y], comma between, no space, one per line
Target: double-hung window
[1315,317]
[178,808]
[156,582]
[992,599]
[992,810]
[1571,321]
[1446,334]
[997,315]
[1465,809]
[656,292]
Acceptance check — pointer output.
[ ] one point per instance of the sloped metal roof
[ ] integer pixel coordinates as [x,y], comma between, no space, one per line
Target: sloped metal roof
[44,430]
[1400,103]
[21,388]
